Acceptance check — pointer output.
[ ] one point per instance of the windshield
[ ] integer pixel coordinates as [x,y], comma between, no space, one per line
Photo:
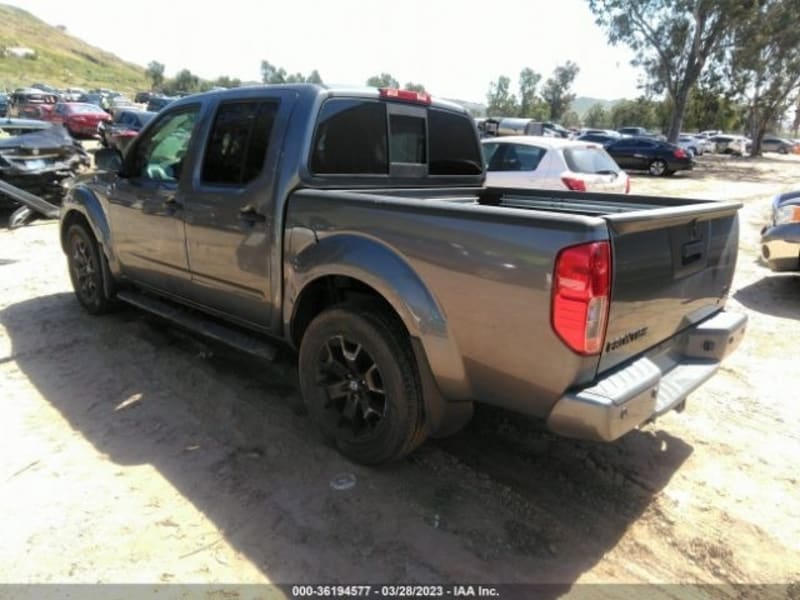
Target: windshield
[590,160]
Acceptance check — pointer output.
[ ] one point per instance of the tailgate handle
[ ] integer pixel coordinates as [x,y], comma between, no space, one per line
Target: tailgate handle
[692,252]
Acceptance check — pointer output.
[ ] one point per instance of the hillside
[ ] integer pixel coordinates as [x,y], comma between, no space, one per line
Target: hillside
[582,104]
[61,60]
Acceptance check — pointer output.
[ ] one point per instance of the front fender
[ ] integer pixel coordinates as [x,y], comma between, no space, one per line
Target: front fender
[378,266]
[81,199]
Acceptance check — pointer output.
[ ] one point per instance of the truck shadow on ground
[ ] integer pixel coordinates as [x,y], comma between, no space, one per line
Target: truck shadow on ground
[774,294]
[501,502]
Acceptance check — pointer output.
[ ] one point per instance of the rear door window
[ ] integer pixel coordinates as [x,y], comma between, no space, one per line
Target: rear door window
[351,138]
[516,157]
[237,145]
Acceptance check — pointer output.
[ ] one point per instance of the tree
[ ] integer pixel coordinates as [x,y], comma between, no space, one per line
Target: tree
[556,89]
[500,101]
[672,40]
[415,87]
[185,81]
[155,72]
[635,113]
[765,64]
[597,117]
[272,74]
[314,77]
[383,80]
[528,80]
[571,119]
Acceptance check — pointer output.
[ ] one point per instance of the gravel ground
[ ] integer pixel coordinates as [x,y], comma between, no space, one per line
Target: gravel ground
[132,452]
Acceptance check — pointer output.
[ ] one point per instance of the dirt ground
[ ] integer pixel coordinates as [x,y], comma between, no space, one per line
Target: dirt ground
[132,452]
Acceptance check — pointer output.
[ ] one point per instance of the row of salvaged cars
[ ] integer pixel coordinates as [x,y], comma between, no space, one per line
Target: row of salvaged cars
[40,151]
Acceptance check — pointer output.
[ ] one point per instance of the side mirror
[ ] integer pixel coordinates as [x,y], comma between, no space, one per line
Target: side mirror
[108,159]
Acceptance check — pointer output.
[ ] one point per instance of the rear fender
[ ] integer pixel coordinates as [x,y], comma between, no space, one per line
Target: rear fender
[381,268]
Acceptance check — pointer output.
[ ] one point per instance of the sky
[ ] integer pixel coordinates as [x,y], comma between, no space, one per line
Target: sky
[455,49]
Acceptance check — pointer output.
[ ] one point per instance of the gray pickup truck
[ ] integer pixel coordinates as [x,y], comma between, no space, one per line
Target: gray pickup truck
[353,228]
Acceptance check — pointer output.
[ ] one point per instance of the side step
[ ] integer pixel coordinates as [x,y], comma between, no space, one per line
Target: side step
[214,330]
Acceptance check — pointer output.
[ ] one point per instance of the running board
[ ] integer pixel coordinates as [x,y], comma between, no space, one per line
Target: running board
[204,326]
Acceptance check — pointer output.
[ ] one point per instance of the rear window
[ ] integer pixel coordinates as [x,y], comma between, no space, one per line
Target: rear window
[360,137]
[589,160]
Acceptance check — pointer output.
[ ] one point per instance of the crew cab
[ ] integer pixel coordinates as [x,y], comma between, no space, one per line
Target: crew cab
[353,228]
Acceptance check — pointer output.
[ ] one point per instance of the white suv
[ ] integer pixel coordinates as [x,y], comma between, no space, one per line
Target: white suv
[551,164]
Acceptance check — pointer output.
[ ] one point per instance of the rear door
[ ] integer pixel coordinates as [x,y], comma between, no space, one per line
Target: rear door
[229,212]
[672,267]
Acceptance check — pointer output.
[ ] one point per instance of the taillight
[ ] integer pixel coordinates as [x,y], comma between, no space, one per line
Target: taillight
[407,95]
[573,184]
[679,153]
[628,185]
[581,289]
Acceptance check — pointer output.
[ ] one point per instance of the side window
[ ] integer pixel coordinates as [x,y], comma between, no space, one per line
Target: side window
[530,157]
[516,157]
[488,153]
[351,138]
[237,145]
[159,155]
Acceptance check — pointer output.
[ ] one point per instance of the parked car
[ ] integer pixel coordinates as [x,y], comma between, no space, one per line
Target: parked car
[634,131]
[38,159]
[3,105]
[125,126]
[691,144]
[293,214]
[31,104]
[777,144]
[80,119]
[551,164]
[503,126]
[598,138]
[142,97]
[99,100]
[156,103]
[651,155]
[119,103]
[731,144]
[780,238]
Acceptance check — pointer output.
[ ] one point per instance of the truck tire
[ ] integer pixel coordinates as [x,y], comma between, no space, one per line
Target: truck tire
[86,270]
[360,384]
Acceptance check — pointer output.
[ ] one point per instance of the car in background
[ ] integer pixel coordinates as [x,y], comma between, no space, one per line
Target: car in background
[691,144]
[731,144]
[156,103]
[126,125]
[99,100]
[598,138]
[551,163]
[3,105]
[119,103]
[142,97]
[31,104]
[78,118]
[780,239]
[649,154]
[771,143]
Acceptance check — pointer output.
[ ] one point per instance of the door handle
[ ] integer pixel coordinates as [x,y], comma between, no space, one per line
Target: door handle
[248,214]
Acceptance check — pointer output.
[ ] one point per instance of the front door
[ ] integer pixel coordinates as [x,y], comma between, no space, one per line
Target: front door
[146,205]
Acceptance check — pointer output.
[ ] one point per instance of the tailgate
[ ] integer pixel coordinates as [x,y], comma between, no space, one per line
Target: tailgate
[672,267]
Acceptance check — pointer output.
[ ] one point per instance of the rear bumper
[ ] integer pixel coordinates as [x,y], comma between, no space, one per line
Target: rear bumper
[651,385]
[780,247]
